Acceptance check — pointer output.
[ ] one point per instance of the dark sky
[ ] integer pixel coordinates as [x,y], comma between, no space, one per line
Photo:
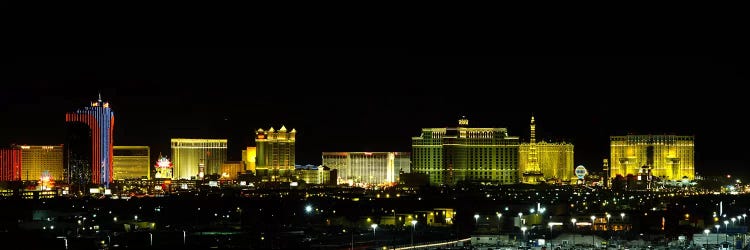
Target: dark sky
[377,99]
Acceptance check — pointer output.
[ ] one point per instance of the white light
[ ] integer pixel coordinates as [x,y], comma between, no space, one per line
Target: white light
[308,208]
[374,226]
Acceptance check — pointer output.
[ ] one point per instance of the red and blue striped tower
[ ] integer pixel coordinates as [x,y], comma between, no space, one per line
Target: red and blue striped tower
[101,120]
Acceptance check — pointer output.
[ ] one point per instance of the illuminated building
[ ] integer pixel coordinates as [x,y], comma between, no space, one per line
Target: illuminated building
[131,162]
[10,164]
[367,168]
[92,165]
[275,153]
[319,175]
[189,154]
[248,156]
[543,161]
[37,160]
[669,157]
[450,155]
[163,168]
[232,169]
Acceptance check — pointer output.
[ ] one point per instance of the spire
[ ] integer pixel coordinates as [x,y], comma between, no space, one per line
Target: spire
[533,129]
[100,96]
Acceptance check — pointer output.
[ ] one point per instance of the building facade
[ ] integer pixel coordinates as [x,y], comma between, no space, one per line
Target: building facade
[669,157]
[545,162]
[39,160]
[10,164]
[275,151]
[317,176]
[248,156]
[232,169]
[189,154]
[367,168]
[100,121]
[451,155]
[131,162]
[555,160]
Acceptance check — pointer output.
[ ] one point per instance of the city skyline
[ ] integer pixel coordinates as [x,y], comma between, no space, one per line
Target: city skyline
[633,96]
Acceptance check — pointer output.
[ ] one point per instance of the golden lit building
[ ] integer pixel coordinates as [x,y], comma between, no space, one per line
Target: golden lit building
[35,160]
[320,175]
[275,153]
[231,169]
[367,168]
[543,161]
[248,156]
[131,162]
[190,155]
[669,157]
[450,155]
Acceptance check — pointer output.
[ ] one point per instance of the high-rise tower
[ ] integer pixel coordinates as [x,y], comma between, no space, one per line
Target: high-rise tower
[275,153]
[92,165]
[532,173]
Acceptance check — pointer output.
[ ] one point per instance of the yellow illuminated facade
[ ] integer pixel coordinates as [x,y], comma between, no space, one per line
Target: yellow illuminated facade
[248,156]
[131,162]
[555,160]
[317,176]
[450,155]
[368,168]
[35,160]
[669,157]
[231,169]
[188,154]
[275,153]
[545,162]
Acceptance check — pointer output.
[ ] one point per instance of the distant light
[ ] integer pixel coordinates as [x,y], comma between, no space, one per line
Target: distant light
[308,208]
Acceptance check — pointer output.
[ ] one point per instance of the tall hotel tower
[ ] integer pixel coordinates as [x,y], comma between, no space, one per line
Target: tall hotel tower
[191,156]
[545,162]
[450,155]
[88,146]
[669,157]
[275,153]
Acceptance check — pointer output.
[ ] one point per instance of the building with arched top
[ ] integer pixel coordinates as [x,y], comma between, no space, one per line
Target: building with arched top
[88,146]
[274,153]
[451,155]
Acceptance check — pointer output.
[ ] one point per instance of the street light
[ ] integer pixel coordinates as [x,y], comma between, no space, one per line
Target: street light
[523,229]
[608,216]
[413,227]
[717,228]
[726,224]
[476,219]
[574,229]
[150,239]
[374,226]
[184,234]
[592,222]
[706,231]
[499,216]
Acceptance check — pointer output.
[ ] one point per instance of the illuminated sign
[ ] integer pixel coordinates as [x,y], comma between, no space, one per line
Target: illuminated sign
[163,162]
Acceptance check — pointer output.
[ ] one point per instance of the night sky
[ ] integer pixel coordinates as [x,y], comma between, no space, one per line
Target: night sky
[377,99]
